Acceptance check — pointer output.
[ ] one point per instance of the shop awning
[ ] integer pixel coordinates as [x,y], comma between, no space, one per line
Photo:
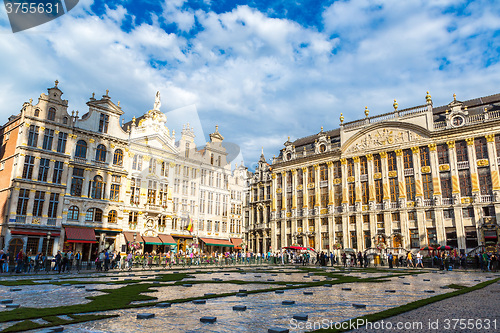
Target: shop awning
[33,233]
[129,237]
[152,240]
[167,239]
[181,236]
[237,243]
[217,242]
[80,235]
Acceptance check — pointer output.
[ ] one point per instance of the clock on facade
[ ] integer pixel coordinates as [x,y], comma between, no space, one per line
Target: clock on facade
[457,121]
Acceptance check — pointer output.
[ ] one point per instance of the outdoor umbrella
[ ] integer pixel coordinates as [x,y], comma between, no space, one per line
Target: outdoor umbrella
[427,248]
[349,250]
[444,247]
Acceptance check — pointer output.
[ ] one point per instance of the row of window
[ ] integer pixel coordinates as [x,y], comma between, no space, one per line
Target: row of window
[91,215]
[100,153]
[218,226]
[43,169]
[38,203]
[48,139]
[97,186]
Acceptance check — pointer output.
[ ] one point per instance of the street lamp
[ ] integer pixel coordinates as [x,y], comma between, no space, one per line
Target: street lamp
[47,262]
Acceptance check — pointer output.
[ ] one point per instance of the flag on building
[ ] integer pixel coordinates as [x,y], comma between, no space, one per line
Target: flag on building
[190,224]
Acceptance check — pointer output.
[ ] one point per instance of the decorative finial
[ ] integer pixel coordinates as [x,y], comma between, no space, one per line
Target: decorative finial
[395,105]
[31,101]
[57,82]
[447,111]
[262,151]
[157,102]
[321,128]
[93,95]
[485,110]
[77,113]
[341,118]
[367,112]
[73,113]
[465,108]
[216,128]
[428,98]
[107,92]
[133,120]
[288,139]
[454,97]
[118,104]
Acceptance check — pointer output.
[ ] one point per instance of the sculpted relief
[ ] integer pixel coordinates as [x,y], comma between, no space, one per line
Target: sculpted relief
[383,137]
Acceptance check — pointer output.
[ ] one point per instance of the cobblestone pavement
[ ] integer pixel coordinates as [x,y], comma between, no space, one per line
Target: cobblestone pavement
[477,311]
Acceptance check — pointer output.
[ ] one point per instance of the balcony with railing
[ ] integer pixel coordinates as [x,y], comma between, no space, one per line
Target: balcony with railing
[393,205]
[379,206]
[338,209]
[486,198]
[428,202]
[363,177]
[447,201]
[51,221]
[352,208]
[20,218]
[80,160]
[323,183]
[462,165]
[408,172]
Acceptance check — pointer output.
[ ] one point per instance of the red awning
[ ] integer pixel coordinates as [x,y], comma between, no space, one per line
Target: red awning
[152,240]
[217,242]
[33,233]
[167,239]
[129,237]
[80,235]
[237,243]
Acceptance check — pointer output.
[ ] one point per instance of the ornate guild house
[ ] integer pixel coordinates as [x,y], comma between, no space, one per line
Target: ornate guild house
[410,178]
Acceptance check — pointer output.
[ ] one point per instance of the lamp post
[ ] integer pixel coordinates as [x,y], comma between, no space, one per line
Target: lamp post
[47,262]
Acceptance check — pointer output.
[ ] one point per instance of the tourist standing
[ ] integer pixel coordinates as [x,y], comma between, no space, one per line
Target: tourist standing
[409,260]
[19,261]
[419,260]
[78,258]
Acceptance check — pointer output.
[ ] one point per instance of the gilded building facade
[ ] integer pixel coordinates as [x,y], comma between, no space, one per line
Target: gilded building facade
[91,183]
[402,180]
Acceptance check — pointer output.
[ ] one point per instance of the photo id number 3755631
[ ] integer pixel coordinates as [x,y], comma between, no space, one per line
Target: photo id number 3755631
[32,7]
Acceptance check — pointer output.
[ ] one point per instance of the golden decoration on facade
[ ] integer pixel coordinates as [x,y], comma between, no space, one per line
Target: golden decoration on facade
[383,154]
[483,162]
[304,169]
[410,204]
[288,214]
[444,167]
[343,161]
[294,172]
[341,118]
[273,176]
[278,190]
[369,157]
[395,105]
[490,137]
[299,187]
[399,152]
[415,150]
[432,146]
[393,174]
[350,179]
[428,98]
[451,144]
[310,185]
[329,164]
[377,175]
[316,166]
[365,207]
[337,181]
[470,141]
[426,169]
[356,159]
[323,211]
[367,112]
[467,200]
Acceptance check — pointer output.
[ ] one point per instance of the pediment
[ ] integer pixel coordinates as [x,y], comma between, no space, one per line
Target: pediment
[155,141]
[385,135]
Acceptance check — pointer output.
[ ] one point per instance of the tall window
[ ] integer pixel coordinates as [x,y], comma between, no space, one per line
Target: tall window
[391,161]
[394,188]
[112,216]
[484,180]
[350,168]
[33,136]
[22,202]
[48,137]
[481,148]
[363,165]
[118,157]
[53,203]
[324,197]
[431,236]
[186,152]
[58,170]
[461,150]
[96,188]
[61,142]
[442,152]
[103,123]
[323,173]
[352,194]
[132,217]
[427,185]
[77,182]
[43,170]
[73,213]
[163,194]
[29,164]
[100,153]
[379,193]
[497,144]
[410,188]
[408,159]
[337,170]
[135,189]
[364,193]
[137,162]
[164,169]
[377,163]
[414,239]
[152,165]
[446,188]
[151,192]
[311,174]
[81,149]
[38,203]
[424,156]
[465,183]
[114,194]
[52,114]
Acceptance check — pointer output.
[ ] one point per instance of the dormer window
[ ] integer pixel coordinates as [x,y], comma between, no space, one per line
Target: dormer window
[52,114]
[212,159]
[65,120]
[103,123]
[37,113]
[322,148]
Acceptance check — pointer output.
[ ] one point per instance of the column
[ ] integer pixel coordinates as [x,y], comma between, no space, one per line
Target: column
[371,181]
[293,226]
[387,195]
[317,207]
[403,214]
[86,182]
[345,200]
[331,220]
[283,192]
[305,192]
[436,185]
[457,209]
[495,180]
[422,231]
[274,188]
[357,182]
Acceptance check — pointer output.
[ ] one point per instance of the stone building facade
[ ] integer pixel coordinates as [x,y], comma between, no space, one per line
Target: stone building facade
[88,183]
[422,176]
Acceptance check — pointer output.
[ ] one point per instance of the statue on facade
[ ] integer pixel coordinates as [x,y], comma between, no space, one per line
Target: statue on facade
[157,102]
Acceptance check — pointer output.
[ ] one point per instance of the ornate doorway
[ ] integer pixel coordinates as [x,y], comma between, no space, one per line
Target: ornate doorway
[16,245]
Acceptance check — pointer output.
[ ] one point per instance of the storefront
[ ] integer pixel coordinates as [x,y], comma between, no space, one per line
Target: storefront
[184,242]
[81,239]
[216,245]
[237,242]
[32,242]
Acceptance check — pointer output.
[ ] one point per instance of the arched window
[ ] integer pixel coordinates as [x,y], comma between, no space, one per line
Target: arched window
[81,149]
[100,153]
[97,188]
[52,114]
[212,159]
[93,215]
[37,113]
[65,120]
[73,213]
[112,216]
[118,157]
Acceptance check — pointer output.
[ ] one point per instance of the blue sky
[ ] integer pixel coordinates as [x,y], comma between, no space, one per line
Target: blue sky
[261,70]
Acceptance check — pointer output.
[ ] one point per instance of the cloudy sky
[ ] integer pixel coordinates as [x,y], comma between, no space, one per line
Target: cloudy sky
[262,70]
